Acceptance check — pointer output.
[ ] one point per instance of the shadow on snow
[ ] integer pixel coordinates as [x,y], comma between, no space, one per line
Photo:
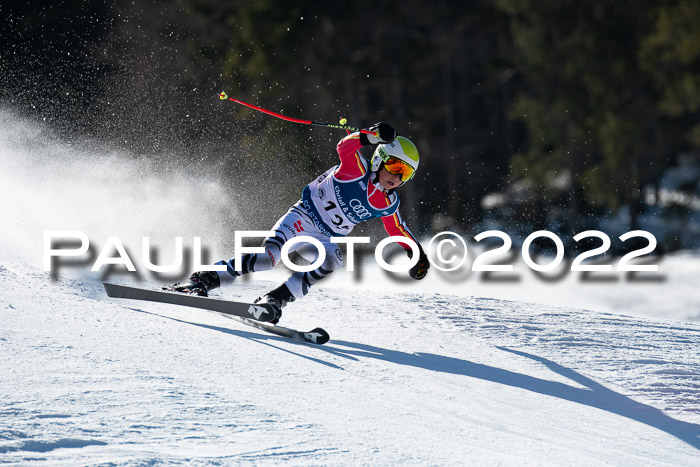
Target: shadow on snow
[593,394]
[254,336]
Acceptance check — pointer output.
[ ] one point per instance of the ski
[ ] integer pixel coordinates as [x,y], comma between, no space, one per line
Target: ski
[258,312]
[256,315]
[316,336]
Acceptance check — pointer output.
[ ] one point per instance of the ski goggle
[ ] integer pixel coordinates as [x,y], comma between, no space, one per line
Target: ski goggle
[396,166]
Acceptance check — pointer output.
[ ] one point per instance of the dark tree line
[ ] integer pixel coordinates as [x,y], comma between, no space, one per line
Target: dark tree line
[586,101]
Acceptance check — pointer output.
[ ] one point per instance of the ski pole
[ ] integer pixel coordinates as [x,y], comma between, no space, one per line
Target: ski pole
[223,97]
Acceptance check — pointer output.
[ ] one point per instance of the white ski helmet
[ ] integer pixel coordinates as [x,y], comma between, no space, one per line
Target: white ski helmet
[402,149]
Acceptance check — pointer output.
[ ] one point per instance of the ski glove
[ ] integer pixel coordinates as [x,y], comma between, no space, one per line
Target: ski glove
[419,271]
[385,133]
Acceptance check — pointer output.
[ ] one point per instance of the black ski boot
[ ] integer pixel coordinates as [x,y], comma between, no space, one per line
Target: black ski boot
[200,284]
[277,298]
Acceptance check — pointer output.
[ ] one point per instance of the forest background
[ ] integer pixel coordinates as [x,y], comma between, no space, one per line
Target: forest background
[528,115]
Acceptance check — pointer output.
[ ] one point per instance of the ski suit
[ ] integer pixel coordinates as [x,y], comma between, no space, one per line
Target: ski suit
[331,205]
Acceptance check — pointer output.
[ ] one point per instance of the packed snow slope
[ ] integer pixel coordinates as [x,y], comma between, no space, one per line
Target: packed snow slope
[417,378]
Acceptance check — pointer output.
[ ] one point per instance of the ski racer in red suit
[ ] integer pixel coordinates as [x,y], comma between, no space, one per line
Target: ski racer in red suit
[354,191]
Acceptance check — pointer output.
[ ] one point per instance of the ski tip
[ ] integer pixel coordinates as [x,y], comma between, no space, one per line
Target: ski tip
[317,336]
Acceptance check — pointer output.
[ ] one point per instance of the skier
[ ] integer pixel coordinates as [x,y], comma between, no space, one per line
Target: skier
[354,191]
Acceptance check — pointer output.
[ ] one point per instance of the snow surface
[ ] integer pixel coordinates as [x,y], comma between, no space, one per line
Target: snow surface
[410,378]
[414,378]
[450,370]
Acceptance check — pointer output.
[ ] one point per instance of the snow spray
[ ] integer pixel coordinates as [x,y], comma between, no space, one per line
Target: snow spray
[48,183]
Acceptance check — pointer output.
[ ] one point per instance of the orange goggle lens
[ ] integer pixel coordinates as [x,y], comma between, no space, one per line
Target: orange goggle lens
[397,166]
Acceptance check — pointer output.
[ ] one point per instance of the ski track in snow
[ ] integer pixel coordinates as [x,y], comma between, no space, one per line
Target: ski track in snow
[408,378]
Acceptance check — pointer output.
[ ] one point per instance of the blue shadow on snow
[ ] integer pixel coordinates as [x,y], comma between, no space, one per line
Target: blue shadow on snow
[593,394]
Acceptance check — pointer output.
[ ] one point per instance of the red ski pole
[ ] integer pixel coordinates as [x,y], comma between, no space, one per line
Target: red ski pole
[223,96]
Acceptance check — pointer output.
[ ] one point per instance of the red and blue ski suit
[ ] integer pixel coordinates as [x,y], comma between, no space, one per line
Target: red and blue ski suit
[331,205]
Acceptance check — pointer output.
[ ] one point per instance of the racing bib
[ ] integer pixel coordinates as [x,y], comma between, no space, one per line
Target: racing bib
[342,204]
